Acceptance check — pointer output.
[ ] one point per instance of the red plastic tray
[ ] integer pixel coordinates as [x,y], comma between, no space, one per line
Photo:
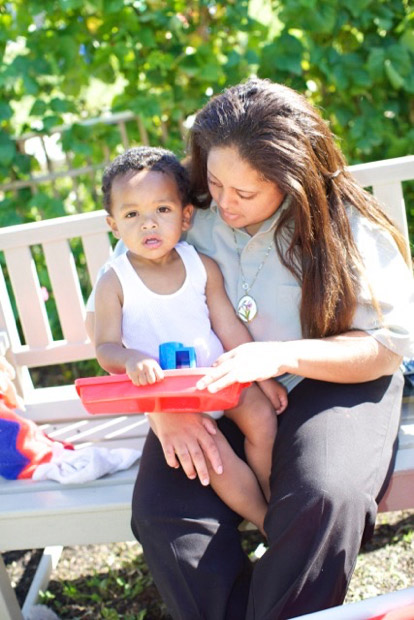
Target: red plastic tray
[403,613]
[175,393]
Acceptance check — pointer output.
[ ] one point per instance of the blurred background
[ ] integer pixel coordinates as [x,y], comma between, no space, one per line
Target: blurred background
[82,79]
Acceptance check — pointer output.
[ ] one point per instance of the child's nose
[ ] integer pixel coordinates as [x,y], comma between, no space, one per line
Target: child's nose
[149,223]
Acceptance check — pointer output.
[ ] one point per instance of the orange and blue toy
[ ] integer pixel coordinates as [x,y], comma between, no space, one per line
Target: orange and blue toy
[23,445]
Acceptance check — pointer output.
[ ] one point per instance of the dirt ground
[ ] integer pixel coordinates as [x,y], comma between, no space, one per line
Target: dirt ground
[113,581]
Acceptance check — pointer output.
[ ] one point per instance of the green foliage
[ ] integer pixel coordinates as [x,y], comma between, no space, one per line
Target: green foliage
[162,60]
[354,58]
[357,59]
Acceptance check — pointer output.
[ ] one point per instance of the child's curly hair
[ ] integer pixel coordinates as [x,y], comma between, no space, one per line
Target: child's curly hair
[146,158]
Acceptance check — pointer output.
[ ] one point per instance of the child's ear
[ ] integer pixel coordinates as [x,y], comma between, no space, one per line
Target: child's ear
[112,225]
[188,211]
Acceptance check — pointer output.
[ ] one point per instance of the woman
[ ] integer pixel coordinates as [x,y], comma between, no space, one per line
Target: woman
[317,270]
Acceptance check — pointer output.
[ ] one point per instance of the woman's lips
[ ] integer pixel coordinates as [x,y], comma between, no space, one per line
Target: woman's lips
[230,217]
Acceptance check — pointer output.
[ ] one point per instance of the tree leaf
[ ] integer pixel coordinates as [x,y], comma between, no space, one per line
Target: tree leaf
[392,74]
[38,108]
[7,149]
[6,111]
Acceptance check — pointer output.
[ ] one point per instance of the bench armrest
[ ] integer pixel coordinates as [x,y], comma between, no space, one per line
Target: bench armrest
[4,343]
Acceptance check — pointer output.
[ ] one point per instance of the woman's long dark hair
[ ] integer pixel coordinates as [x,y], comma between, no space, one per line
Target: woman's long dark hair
[283,137]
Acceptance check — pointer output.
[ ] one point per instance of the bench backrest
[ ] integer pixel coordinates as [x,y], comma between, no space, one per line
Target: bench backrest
[22,294]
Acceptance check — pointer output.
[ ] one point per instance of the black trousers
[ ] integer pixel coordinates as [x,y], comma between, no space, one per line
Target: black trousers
[332,458]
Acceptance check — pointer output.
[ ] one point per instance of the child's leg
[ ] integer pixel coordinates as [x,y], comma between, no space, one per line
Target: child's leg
[257,420]
[237,486]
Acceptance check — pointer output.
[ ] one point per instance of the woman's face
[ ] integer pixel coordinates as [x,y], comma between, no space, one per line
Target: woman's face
[244,198]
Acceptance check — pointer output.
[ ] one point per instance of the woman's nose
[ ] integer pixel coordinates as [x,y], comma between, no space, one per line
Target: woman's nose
[225,200]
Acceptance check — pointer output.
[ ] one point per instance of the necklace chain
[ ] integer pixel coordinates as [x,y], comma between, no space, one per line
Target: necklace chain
[245,285]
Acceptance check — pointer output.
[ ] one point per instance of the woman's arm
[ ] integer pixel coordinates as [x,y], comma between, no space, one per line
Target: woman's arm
[352,357]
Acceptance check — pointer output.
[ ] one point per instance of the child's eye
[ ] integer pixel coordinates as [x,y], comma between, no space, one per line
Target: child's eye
[164,209]
[131,214]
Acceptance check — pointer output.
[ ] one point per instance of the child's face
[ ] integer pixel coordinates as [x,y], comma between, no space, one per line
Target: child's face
[147,213]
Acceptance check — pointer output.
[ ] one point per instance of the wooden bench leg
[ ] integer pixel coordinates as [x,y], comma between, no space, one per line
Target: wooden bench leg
[49,561]
[9,607]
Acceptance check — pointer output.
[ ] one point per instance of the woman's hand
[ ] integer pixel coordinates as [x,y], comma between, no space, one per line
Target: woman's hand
[253,361]
[188,439]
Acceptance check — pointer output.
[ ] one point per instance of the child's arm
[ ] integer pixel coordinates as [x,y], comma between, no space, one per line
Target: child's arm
[228,327]
[231,331]
[111,354]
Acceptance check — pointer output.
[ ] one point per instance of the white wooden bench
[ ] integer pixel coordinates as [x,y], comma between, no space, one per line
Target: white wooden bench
[45,514]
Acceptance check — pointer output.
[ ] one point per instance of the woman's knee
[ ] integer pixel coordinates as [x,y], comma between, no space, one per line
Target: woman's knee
[145,506]
[325,503]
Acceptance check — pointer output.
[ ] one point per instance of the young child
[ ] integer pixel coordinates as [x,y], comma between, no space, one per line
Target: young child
[162,290]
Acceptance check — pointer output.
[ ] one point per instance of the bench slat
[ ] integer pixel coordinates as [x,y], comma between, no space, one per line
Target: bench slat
[104,428]
[57,352]
[66,289]
[14,487]
[66,227]
[391,197]
[87,514]
[28,295]
[384,171]
[8,328]
[97,250]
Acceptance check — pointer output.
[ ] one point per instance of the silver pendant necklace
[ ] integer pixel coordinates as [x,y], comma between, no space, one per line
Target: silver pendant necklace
[247,306]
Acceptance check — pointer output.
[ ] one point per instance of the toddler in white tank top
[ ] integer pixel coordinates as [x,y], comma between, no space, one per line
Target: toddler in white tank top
[162,290]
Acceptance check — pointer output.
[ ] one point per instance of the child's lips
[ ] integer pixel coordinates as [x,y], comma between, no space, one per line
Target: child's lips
[151,242]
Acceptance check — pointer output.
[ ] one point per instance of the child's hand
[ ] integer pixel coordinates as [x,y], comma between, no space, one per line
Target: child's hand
[276,393]
[143,372]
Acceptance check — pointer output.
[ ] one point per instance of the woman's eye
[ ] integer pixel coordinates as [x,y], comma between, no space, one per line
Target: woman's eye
[210,182]
[249,197]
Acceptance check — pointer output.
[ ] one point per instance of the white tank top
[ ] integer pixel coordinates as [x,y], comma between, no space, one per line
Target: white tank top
[149,319]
